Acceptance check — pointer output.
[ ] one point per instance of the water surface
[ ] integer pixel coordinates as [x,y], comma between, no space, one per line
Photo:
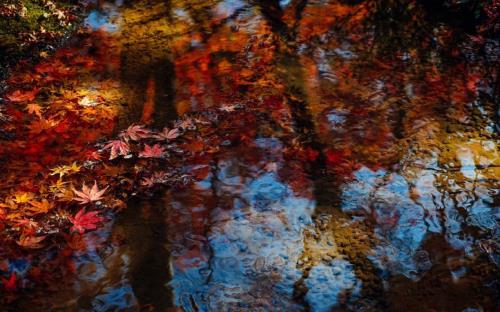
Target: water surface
[366,177]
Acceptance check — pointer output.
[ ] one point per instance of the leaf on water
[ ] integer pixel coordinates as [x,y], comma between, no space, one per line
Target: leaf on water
[155,151]
[41,125]
[167,134]
[88,195]
[26,223]
[185,124]
[19,96]
[83,221]
[228,108]
[135,133]
[28,241]
[35,109]
[118,147]
[21,198]
[148,181]
[42,206]
[63,170]
[87,102]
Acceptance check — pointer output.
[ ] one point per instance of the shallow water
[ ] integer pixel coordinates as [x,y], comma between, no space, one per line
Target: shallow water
[370,184]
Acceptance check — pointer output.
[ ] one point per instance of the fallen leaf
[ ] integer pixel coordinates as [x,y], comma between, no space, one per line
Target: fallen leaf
[42,206]
[19,96]
[155,151]
[88,195]
[34,109]
[167,134]
[28,241]
[135,133]
[63,170]
[21,198]
[117,147]
[41,125]
[85,221]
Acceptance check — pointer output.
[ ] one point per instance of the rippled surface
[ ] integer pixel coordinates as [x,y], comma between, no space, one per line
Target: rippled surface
[371,185]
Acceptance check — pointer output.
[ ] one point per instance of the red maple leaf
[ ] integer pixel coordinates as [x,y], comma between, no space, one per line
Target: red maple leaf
[117,147]
[155,151]
[85,221]
[135,132]
[10,284]
[88,195]
[167,134]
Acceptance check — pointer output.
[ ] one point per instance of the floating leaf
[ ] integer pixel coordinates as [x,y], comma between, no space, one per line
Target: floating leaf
[118,147]
[135,133]
[63,170]
[28,241]
[42,206]
[19,96]
[167,134]
[155,151]
[88,195]
[83,221]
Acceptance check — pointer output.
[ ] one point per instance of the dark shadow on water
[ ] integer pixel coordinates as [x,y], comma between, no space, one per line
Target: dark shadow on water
[144,230]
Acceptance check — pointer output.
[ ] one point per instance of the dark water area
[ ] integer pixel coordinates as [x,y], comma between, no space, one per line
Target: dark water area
[358,169]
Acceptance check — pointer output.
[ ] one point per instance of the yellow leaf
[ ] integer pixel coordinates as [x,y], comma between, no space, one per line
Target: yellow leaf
[63,170]
[21,198]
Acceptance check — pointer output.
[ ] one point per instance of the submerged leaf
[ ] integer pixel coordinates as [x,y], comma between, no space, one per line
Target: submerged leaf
[10,284]
[83,221]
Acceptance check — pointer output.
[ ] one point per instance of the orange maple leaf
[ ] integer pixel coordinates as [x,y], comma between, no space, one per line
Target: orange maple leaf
[41,125]
[30,241]
[42,206]
[34,109]
[19,96]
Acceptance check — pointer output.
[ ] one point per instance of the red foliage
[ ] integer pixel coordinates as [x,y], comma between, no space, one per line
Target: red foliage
[83,221]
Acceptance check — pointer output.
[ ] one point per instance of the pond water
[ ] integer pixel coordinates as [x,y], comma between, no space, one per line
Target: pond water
[364,175]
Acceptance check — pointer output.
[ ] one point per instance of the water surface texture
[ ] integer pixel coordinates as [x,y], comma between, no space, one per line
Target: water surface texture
[357,163]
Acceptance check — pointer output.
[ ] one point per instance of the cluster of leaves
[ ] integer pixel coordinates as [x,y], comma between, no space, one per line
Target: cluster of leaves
[58,182]
[45,210]
[26,23]
[137,162]
[53,114]
[62,179]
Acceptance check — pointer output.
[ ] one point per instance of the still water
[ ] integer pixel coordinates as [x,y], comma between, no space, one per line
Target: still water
[362,175]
